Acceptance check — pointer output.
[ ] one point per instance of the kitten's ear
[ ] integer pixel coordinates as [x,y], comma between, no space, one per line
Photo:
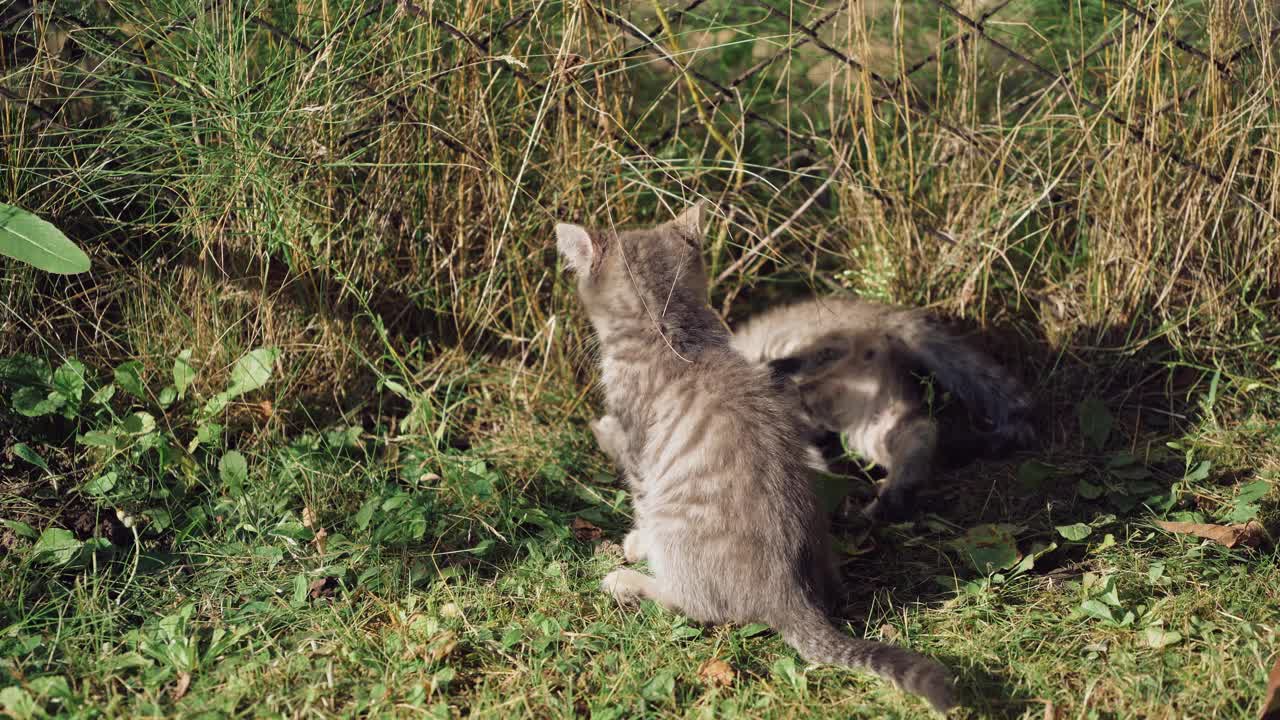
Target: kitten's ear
[689,223]
[575,246]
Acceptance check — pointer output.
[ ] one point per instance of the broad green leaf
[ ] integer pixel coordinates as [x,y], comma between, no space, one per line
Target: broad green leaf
[1253,491]
[785,666]
[1038,551]
[32,401]
[395,502]
[29,239]
[1155,572]
[660,688]
[100,485]
[50,686]
[217,403]
[365,514]
[1243,513]
[18,703]
[56,546]
[1096,609]
[441,679]
[183,372]
[103,395]
[1074,533]
[139,423]
[1200,472]
[1095,422]
[31,456]
[234,471]
[1033,473]
[989,548]
[160,519]
[252,371]
[397,388]
[125,661]
[290,528]
[97,438]
[129,377]
[24,370]
[300,589]
[599,710]
[1108,593]
[207,433]
[1089,491]
[68,379]
[483,547]
[1158,637]
[20,528]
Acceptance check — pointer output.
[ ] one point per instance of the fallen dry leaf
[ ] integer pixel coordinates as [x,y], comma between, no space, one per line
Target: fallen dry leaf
[320,540]
[717,673]
[585,531]
[1050,711]
[1250,534]
[322,587]
[441,645]
[1271,701]
[265,409]
[610,548]
[184,682]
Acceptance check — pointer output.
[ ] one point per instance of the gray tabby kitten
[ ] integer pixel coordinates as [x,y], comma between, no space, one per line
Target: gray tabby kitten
[852,361]
[710,445]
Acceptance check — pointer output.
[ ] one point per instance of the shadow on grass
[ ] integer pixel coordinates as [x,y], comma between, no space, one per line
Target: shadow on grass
[1077,473]
[990,694]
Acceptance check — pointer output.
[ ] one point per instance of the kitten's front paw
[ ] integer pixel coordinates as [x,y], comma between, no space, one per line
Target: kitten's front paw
[618,584]
[609,436]
[605,424]
[633,547]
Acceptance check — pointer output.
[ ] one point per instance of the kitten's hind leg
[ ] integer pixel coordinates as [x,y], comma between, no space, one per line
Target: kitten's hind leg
[908,448]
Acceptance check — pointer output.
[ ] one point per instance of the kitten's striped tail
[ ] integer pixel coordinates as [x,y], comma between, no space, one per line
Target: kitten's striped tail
[818,641]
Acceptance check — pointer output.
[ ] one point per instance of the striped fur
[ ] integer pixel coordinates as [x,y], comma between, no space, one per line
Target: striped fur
[852,361]
[713,452]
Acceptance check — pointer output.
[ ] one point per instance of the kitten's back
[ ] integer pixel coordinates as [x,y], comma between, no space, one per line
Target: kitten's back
[918,341]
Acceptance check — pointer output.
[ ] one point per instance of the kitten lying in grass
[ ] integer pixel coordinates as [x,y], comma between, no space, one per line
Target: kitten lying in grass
[712,449]
[853,362]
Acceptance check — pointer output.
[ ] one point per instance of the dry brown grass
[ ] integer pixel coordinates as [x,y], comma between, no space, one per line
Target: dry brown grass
[286,176]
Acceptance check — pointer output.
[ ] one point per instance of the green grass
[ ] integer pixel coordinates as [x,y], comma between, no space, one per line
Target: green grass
[403,512]
[456,579]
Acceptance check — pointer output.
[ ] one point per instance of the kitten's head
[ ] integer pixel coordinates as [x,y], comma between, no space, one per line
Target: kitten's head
[655,272]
